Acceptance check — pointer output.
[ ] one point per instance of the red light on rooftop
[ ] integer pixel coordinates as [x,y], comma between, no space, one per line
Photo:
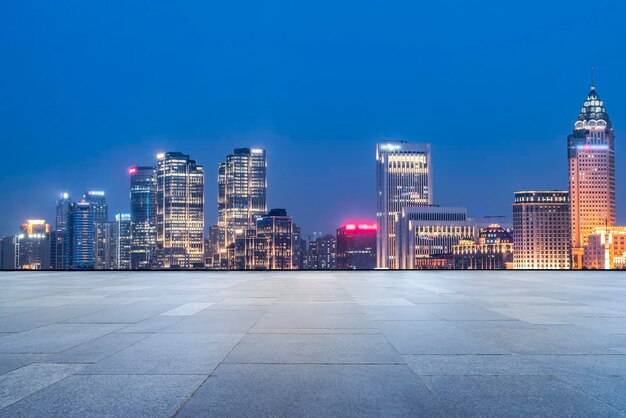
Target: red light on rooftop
[360,227]
[132,170]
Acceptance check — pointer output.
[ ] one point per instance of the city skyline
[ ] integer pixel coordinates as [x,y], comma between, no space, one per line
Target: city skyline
[317,101]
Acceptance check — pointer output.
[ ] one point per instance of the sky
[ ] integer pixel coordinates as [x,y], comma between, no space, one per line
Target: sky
[88,89]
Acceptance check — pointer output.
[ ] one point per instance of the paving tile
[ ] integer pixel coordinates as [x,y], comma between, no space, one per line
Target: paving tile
[10,362]
[312,321]
[54,338]
[312,390]
[472,364]
[313,348]
[469,396]
[168,354]
[398,313]
[315,308]
[187,309]
[610,389]
[131,313]
[96,349]
[434,337]
[108,396]
[215,322]
[27,380]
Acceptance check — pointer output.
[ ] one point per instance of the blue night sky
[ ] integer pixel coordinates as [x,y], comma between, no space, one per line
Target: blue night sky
[89,88]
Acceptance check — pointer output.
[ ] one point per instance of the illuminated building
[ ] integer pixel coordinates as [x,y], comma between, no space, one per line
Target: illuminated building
[79,237]
[31,242]
[493,251]
[143,217]
[356,246]
[242,191]
[212,248]
[591,158]
[9,257]
[63,205]
[403,180]
[430,232]
[179,212]
[53,251]
[102,229]
[122,240]
[541,230]
[299,249]
[273,242]
[605,249]
[322,252]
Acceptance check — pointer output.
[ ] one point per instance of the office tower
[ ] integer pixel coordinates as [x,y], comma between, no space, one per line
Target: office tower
[242,191]
[590,151]
[63,205]
[541,230]
[403,180]
[356,246]
[122,236]
[429,232]
[493,251]
[53,251]
[10,253]
[274,240]
[31,242]
[102,228]
[143,202]
[299,248]
[180,212]
[326,252]
[79,237]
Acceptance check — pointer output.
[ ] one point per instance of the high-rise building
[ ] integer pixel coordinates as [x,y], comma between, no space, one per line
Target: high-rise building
[102,229]
[9,257]
[299,248]
[541,230]
[403,180]
[212,248]
[63,205]
[53,251]
[591,155]
[273,243]
[493,251]
[143,202]
[356,246]
[122,236]
[606,249]
[430,232]
[180,211]
[79,237]
[242,191]
[31,243]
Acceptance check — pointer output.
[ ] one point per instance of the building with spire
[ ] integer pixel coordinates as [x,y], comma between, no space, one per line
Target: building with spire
[591,155]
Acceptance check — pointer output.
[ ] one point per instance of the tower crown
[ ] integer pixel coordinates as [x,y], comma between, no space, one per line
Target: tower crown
[593,114]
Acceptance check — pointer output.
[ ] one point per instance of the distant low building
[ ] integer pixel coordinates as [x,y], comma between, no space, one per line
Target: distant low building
[493,251]
[606,249]
[356,246]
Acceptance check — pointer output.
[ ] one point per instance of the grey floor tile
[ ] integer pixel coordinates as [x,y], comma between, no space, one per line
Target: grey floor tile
[312,321]
[399,313]
[610,389]
[312,390]
[108,396]
[54,338]
[472,364]
[313,348]
[151,325]
[96,349]
[168,354]
[215,322]
[512,396]
[27,380]
[10,362]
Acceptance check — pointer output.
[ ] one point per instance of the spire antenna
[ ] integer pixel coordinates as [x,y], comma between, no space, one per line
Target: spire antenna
[593,78]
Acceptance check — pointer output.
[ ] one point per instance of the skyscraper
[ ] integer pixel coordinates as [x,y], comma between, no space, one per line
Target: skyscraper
[541,230]
[102,229]
[31,243]
[79,237]
[122,236]
[242,191]
[274,240]
[180,211]
[9,257]
[403,179]
[63,205]
[590,150]
[143,216]
[356,246]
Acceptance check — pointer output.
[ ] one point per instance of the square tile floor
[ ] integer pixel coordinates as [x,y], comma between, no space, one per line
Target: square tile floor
[265,344]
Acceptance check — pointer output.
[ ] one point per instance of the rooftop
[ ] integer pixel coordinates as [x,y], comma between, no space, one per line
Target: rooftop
[313,343]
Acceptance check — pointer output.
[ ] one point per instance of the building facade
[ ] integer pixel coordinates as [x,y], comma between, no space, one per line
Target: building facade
[541,230]
[32,244]
[356,246]
[493,251]
[102,228]
[79,237]
[143,202]
[123,241]
[605,249]
[403,180]
[591,155]
[179,212]
[242,191]
[430,232]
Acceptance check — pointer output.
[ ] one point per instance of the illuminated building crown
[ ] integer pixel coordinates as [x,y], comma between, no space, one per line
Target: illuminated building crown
[593,114]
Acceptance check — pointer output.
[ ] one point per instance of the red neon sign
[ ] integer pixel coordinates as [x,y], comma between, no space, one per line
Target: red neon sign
[132,170]
[360,227]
